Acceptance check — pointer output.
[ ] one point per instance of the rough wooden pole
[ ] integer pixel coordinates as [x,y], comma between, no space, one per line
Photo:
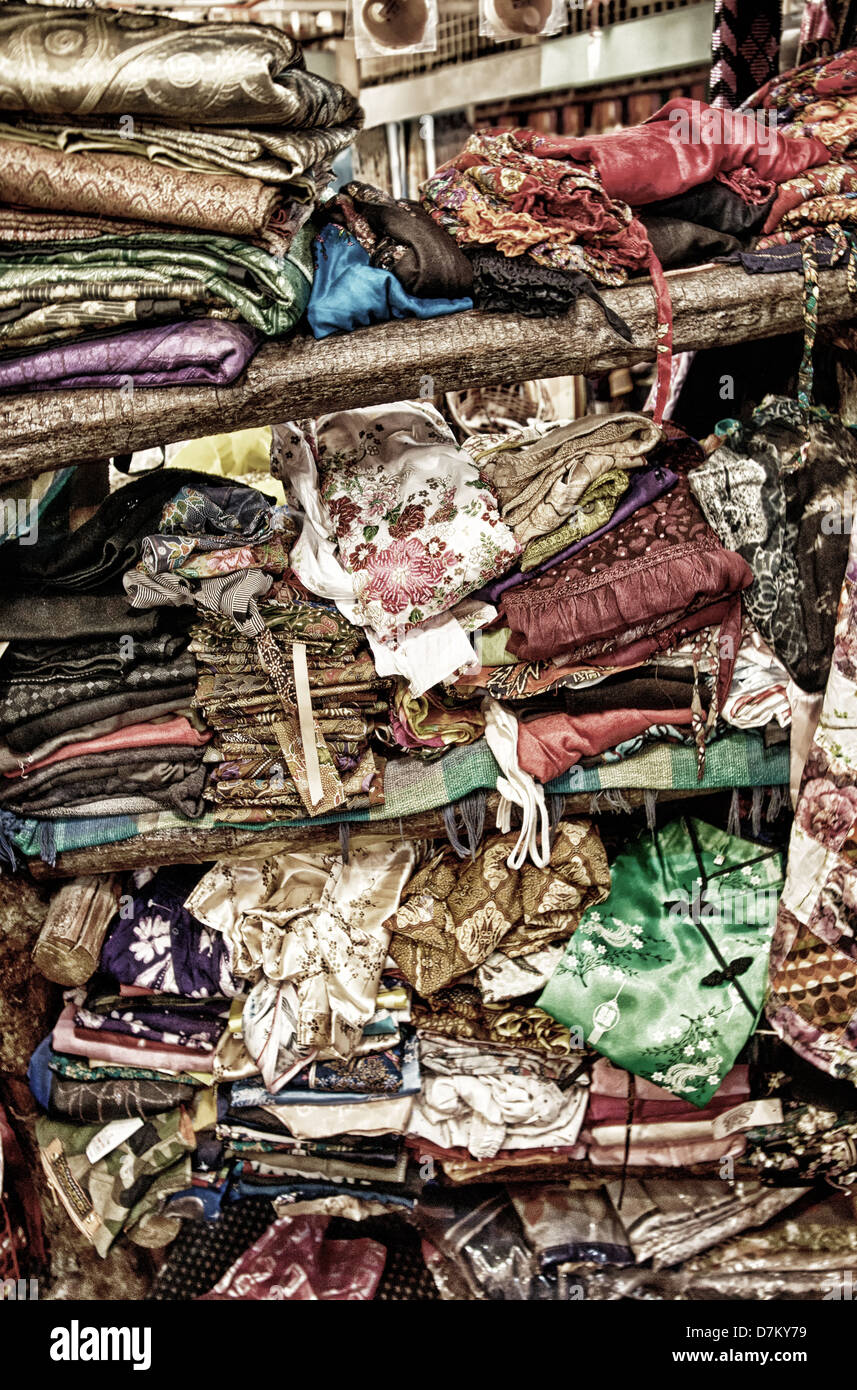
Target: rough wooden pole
[406,359]
[192,846]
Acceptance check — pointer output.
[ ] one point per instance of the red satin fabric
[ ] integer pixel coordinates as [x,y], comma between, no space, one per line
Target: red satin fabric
[549,746]
[648,162]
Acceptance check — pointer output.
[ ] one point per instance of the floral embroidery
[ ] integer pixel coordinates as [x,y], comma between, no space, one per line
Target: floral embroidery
[415,525]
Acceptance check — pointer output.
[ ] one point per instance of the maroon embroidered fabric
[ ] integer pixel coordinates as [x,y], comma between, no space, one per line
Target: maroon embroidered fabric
[656,577]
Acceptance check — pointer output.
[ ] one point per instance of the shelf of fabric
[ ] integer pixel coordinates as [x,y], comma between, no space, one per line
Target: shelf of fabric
[191,844]
[416,795]
[407,359]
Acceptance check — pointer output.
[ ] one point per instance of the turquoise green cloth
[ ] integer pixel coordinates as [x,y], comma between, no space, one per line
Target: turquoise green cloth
[667,977]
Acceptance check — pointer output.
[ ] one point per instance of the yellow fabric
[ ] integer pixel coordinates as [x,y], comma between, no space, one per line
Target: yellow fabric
[244,455]
[203,1113]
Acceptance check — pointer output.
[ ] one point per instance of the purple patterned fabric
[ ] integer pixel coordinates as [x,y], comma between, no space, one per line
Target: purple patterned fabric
[645,486]
[196,352]
[156,1019]
[155,943]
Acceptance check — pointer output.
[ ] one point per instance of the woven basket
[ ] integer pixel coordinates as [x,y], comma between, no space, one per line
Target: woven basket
[489,409]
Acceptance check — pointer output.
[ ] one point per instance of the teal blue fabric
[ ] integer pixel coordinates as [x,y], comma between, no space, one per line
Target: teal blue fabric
[348,292]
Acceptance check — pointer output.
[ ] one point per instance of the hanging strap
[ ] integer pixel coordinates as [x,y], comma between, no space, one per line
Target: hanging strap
[727,968]
[664,347]
[307,723]
[810,322]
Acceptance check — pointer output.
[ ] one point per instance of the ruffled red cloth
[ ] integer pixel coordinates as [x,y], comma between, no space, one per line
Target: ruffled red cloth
[649,162]
[661,573]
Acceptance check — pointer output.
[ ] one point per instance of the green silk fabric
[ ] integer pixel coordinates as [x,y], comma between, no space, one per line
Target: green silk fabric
[667,977]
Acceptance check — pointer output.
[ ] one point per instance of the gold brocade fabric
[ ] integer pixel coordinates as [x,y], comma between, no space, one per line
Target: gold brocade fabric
[461,1012]
[453,915]
[123,186]
[114,63]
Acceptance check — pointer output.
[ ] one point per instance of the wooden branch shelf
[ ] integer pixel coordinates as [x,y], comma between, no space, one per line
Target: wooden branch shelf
[195,846]
[713,305]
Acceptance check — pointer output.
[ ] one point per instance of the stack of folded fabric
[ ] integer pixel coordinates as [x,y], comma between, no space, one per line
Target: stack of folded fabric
[632,1123]
[95,700]
[178,197]
[252,781]
[477,940]
[620,629]
[318,1063]
[264,654]
[126,1077]
[169,1036]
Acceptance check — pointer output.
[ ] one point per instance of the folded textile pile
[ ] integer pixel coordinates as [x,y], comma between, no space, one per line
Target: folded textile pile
[561,487]
[632,1123]
[476,940]
[378,258]
[192,205]
[95,700]
[325,1022]
[253,779]
[125,1078]
[808,1252]
[203,981]
[621,625]
[533,209]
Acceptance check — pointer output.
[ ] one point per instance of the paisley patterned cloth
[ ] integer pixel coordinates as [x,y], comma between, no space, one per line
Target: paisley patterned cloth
[668,979]
[415,526]
[781,493]
[453,916]
[503,191]
[800,87]
[112,63]
[796,198]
